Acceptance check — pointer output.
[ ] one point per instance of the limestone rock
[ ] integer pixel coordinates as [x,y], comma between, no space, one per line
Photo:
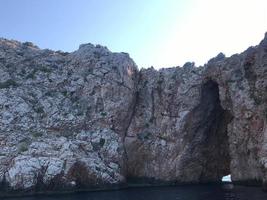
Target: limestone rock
[91,119]
[62,111]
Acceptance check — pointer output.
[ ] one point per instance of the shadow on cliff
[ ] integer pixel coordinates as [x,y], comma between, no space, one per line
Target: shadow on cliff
[207,134]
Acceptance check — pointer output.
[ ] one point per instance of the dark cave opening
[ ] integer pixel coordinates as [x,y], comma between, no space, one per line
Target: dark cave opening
[214,143]
[207,135]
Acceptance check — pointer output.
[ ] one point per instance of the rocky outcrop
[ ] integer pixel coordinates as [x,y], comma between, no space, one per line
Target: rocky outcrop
[90,118]
[63,116]
[179,131]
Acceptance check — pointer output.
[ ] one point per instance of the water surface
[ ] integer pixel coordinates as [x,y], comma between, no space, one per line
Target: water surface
[198,192]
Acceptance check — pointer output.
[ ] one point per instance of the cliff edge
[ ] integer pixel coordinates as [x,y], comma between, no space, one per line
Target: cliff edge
[90,119]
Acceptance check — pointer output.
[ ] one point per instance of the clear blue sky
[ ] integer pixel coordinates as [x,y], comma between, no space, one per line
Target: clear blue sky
[162,33]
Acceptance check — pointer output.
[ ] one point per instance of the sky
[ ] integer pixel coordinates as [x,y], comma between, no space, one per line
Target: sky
[158,33]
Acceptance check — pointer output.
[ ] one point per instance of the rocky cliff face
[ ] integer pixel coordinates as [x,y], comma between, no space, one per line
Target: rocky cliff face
[63,116]
[90,119]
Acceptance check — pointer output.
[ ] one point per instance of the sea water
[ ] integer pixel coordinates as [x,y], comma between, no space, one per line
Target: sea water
[195,192]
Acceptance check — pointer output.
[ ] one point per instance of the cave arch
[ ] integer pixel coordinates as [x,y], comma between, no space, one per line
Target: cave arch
[215,143]
[208,158]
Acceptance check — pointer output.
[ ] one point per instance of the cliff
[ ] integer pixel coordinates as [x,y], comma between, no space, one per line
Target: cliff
[91,119]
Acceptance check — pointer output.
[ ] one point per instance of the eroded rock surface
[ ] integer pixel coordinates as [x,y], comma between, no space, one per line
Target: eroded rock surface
[63,116]
[179,131]
[89,119]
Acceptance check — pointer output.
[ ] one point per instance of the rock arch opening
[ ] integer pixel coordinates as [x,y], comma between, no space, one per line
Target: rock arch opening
[208,158]
[213,125]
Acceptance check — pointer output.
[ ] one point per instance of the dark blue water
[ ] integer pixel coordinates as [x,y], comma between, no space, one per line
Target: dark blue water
[203,192]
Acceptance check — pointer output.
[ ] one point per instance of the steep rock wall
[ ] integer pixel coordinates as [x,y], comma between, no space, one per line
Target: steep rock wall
[63,116]
[89,119]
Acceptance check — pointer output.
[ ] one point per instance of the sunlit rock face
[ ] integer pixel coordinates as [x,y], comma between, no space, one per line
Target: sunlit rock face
[90,119]
[63,116]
